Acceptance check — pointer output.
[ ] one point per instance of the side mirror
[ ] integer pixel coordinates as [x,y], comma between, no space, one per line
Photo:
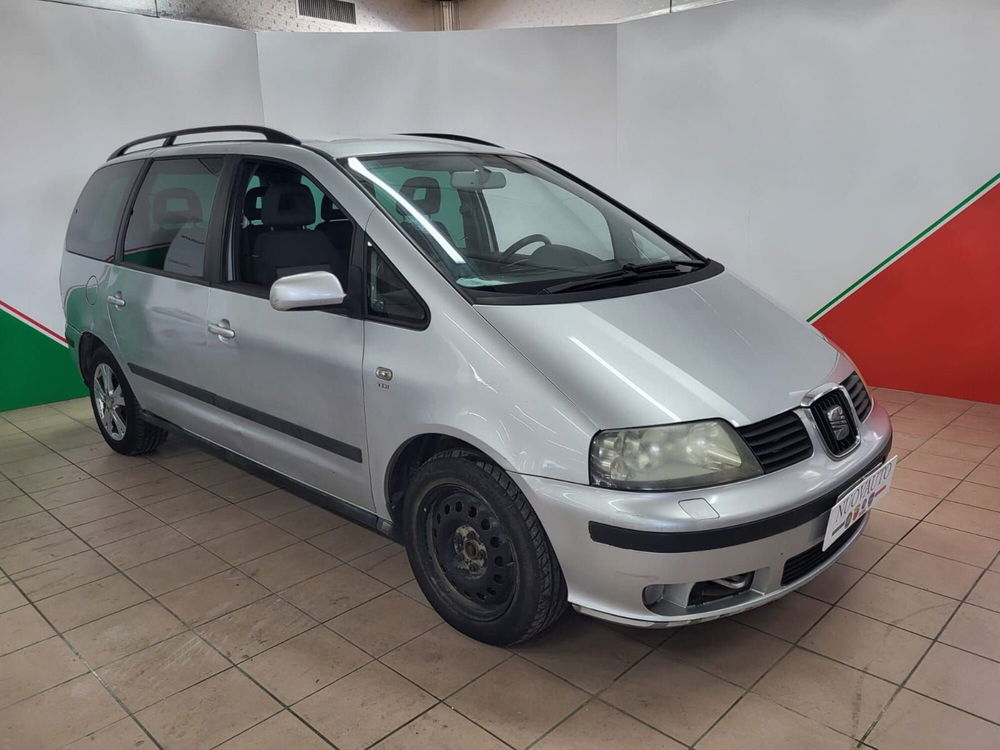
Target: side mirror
[310,289]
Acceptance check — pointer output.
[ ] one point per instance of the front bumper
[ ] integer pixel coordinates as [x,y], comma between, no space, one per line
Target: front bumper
[612,545]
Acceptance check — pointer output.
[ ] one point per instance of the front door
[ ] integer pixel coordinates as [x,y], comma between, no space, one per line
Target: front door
[287,384]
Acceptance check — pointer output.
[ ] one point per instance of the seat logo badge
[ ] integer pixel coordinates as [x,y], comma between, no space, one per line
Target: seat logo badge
[837,418]
[383,373]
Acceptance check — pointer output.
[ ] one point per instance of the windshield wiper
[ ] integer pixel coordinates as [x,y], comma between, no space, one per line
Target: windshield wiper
[627,273]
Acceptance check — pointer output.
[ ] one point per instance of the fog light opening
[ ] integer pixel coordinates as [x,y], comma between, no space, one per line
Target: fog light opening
[652,594]
[704,592]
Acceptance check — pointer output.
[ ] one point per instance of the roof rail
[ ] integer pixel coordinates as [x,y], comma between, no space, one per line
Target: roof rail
[271,135]
[452,137]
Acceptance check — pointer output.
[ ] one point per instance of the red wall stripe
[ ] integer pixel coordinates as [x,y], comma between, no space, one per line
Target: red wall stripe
[32,322]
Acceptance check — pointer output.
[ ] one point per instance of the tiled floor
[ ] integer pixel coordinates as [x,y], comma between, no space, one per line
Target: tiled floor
[177,602]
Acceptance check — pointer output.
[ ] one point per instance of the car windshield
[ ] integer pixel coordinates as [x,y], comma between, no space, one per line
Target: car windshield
[511,224]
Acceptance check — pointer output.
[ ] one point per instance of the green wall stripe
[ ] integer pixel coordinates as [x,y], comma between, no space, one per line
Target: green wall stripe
[969,198]
[34,369]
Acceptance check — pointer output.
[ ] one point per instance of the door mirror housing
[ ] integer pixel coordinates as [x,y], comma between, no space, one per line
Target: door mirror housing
[309,289]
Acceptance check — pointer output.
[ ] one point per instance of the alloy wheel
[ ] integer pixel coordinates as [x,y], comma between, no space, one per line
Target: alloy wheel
[109,401]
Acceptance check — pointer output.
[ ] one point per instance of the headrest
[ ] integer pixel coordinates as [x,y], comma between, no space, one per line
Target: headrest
[329,212]
[287,205]
[423,193]
[252,203]
[176,206]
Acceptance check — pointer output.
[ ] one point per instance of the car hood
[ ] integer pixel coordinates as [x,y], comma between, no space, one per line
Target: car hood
[715,348]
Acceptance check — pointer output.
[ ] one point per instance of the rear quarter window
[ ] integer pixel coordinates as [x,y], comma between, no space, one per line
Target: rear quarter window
[93,227]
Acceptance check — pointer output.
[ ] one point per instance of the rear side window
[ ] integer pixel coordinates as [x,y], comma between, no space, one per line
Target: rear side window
[93,227]
[168,228]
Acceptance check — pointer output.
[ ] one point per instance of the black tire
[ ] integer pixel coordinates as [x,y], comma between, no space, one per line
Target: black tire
[458,505]
[110,394]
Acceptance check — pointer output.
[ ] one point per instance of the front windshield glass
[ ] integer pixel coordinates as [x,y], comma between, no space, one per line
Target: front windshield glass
[510,224]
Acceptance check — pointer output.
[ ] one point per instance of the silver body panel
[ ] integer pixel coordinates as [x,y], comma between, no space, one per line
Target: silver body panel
[528,386]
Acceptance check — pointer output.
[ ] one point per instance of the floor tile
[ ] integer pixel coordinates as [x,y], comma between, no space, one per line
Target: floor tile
[971,549]
[961,434]
[242,488]
[281,730]
[966,518]
[980,495]
[866,644]
[36,668]
[113,528]
[27,528]
[917,427]
[39,551]
[349,541]
[758,723]
[364,706]
[974,629]
[122,734]
[179,569]
[683,706]
[10,597]
[208,713]
[832,583]
[273,504]
[214,473]
[70,493]
[864,553]
[288,566]
[158,490]
[385,622]
[518,717]
[441,728]
[913,722]
[905,503]
[44,480]
[727,649]
[91,601]
[309,522]
[837,696]
[789,617]
[100,465]
[60,715]
[986,475]
[926,571]
[388,564]
[584,652]
[304,664]
[987,592]
[954,468]
[139,473]
[185,505]
[887,526]
[63,574]
[215,523]
[102,506]
[950,449]
[249,543]
[913,609]
[18,507]
[149,545]
[975,422]
[960,679]
[122,633]
[442,660]
[213,596]
[86,452]
[332,593]
[160,670]
[25,466]
[255,628]
[923,483]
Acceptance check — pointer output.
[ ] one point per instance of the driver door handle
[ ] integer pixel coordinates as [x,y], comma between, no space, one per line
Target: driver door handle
[222,330]
[116,299]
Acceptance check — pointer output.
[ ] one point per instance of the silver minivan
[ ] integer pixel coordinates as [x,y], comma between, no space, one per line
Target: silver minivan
[549,400]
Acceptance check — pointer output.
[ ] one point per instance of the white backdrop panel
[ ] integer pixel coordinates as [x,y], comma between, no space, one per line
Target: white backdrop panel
[550,92]
[75,84]
[803,142]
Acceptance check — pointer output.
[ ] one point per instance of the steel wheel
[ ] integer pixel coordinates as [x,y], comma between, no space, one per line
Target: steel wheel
[109,402]
[472,552]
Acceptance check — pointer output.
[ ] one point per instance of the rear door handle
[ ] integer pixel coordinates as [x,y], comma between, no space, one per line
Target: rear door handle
[116,300]
[222,330]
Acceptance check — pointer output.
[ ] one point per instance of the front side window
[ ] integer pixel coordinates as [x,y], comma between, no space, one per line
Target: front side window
[93,227]
[168,228]
[510,224]
[389,297]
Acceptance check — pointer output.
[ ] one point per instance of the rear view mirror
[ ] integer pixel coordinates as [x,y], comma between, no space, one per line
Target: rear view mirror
[309,289]
[478,179]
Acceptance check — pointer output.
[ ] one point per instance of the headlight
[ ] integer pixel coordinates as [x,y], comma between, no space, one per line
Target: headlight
[671,457]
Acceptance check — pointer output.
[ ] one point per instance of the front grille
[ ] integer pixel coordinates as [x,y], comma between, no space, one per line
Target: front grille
[835,421]
[778,441]
[859,395]
[806,562]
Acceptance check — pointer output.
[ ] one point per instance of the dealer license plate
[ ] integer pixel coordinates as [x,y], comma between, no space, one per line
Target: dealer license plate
[858,500]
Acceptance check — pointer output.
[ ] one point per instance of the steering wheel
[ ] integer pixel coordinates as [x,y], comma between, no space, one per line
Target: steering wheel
[525,241]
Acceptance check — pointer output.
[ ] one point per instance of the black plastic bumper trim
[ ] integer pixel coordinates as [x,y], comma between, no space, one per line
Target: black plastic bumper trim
[728,536]
[291,429]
